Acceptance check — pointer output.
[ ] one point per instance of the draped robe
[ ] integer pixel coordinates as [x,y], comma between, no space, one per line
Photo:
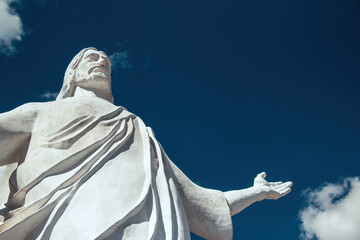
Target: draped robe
[87,169]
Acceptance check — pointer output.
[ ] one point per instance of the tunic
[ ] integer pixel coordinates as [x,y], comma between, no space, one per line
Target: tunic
[100,175]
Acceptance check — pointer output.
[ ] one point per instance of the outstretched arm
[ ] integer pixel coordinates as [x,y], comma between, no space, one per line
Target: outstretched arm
[15,132]
[262,189]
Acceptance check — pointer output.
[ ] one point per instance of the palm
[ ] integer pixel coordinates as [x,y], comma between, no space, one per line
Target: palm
[271,190]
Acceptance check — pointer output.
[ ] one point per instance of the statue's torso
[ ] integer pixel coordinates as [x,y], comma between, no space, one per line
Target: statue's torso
[121,178]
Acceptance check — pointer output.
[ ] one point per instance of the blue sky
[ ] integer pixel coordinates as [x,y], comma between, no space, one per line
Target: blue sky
[230,88]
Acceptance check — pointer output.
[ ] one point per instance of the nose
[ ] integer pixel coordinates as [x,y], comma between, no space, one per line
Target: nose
[102,61]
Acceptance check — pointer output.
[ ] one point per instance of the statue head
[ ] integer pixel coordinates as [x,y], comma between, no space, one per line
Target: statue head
[89,69]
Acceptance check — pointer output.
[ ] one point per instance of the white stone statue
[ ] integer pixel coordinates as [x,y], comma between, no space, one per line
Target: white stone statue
[82,168]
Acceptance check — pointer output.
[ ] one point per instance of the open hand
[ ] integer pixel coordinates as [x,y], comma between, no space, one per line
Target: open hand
[271,190]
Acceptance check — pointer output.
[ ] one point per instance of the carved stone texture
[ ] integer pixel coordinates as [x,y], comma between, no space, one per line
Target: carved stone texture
[82,168]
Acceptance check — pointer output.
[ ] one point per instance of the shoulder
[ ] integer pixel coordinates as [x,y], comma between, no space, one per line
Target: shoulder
[31,106]
[26,109]
[20,119]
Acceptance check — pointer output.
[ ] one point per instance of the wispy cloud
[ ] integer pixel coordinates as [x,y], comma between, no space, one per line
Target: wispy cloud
[49,96]
[120,60]
[332,211]
[11,28]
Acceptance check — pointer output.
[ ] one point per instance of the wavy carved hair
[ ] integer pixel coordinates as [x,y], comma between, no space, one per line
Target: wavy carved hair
[69,85]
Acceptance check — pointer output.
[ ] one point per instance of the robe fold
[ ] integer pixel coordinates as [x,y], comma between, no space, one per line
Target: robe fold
[107,177]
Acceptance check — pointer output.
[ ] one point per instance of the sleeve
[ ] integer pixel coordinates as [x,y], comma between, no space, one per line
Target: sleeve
[207,210]
[15,133]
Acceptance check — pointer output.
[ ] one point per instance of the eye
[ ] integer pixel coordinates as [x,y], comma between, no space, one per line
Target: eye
[92,56]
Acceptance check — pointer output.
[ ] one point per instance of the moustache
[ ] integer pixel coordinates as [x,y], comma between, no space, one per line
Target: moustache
[102,68]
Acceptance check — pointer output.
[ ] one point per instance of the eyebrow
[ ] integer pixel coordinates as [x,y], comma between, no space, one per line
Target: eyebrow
[93,53]
[89,54]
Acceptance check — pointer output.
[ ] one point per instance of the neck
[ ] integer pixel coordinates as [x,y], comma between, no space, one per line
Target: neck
[81,92]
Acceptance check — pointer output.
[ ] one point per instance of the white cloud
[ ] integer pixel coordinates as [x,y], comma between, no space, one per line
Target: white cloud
[332,212]
[49,95]
[10,28]
[120,60]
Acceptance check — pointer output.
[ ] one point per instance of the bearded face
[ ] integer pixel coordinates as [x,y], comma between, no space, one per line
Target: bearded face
[94,71]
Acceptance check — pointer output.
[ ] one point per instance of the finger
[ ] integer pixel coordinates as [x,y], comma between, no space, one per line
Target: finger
[283,188]
[288,184]
[262,175]
[278,188]
[283,185]
[275,183]
[285,191]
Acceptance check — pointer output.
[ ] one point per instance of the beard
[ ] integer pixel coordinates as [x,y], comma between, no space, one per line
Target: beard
[97,82]
[94,80]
